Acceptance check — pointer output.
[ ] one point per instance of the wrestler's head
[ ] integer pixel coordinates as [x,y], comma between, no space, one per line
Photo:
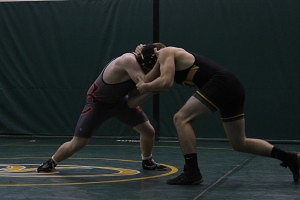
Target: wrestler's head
[147,57]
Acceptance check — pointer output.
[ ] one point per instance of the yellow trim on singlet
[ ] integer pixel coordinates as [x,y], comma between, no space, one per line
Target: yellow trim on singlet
[190,76]
[211,103]
[236,116]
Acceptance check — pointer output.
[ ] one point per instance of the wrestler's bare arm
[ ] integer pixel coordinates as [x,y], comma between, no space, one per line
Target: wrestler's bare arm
[165,80]
[129,64]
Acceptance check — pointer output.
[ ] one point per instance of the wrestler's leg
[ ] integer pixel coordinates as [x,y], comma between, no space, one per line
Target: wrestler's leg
[88,121]
[235,132]
[138,120]
[67,149]
[147,135]
[192,110]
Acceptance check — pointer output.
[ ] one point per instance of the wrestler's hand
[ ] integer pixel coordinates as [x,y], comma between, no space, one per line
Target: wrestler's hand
[140,85]
[139,48]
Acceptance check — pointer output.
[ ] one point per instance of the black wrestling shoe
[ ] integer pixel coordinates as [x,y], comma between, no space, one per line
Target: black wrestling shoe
[187,178]
[47,166]
[294,166]
[150,164]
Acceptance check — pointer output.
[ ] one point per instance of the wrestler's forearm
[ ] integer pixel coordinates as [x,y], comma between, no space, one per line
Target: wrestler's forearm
[158,85]
[153,74]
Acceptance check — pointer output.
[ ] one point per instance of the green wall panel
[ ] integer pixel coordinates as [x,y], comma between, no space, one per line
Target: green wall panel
[256,39]
[50,53]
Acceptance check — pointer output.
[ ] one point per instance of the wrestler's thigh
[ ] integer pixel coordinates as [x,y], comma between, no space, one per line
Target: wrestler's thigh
[144,127]
[194,109]
[90,119]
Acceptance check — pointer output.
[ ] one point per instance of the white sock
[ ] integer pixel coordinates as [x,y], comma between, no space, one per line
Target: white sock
[54,160]
[146,158]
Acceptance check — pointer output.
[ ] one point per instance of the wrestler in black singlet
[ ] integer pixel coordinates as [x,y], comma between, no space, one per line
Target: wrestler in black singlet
[219,89]
[105,101]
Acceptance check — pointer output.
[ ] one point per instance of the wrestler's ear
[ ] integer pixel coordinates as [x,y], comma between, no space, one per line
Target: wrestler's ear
[156,51]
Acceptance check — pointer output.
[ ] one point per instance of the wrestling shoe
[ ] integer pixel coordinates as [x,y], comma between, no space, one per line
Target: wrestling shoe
[150,164]
[47,166]
[187,178]
[294,166]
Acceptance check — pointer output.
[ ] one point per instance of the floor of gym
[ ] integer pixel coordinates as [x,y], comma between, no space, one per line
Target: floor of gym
[111,169]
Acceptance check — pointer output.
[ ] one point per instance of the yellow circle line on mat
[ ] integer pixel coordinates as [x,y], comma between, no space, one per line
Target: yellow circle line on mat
[18,171]
[172,168]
